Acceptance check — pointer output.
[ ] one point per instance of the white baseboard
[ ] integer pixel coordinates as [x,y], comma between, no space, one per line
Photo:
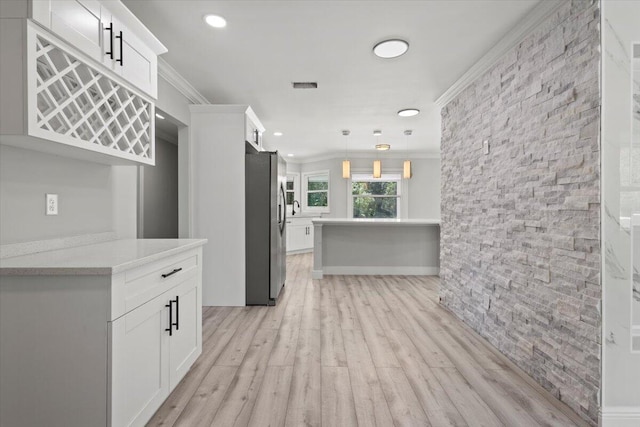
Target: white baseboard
[620,416]
[316,274]
[382,270]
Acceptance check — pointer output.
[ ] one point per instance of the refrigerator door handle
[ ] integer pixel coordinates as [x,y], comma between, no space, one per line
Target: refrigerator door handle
[282,213]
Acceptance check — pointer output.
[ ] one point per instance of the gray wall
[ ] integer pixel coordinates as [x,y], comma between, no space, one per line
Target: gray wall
[520,248]
[424,186]
[84,191]
[160,193]
[93,198]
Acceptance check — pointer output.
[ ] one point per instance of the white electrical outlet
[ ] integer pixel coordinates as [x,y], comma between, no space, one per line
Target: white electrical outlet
[51,204]
[485,146]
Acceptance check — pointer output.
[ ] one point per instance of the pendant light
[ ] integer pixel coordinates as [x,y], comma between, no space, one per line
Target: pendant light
[406,170]
[377,164]
[346,164]
[377,169]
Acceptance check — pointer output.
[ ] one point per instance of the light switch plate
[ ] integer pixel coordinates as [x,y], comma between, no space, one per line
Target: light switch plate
[51,204]
[485,146]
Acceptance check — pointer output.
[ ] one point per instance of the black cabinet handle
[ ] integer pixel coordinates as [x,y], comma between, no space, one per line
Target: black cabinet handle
[121,60]
[177,322]
[175,270]
[110,29]
[170,305]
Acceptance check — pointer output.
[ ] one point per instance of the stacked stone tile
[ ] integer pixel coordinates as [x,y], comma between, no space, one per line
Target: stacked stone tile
[520,234]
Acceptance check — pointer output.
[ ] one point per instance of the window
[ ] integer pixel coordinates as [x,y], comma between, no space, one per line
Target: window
[376,197]
[292,191]
[291,195]
[316,191]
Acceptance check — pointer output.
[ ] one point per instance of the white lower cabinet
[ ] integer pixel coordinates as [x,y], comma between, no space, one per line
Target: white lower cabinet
[185,344]
[153,347]
[139,363]
[98,349]
[299,235]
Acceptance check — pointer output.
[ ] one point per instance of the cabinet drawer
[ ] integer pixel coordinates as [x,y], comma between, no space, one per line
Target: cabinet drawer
[146,282]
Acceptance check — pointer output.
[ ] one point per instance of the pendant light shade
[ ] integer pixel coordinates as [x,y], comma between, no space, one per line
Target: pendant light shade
[406,170]
[346,169]
[377,169]
[346,164]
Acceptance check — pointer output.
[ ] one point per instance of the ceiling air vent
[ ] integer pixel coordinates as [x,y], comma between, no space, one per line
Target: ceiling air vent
[305,85]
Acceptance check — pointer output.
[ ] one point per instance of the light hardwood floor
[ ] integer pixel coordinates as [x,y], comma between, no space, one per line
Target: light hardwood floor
[347,351]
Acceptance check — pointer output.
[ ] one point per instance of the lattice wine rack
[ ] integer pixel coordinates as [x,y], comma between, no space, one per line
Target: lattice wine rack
[78,102]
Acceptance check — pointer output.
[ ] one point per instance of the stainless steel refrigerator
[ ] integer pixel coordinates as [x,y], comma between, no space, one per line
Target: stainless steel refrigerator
[266,233]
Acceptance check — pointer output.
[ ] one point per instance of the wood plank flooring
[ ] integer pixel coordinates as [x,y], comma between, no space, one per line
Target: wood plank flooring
[352,351]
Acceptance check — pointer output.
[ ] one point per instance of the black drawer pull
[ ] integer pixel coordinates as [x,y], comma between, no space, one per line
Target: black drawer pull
[169,329]
[121,60]
[175,270]
[110,29]
[177,322]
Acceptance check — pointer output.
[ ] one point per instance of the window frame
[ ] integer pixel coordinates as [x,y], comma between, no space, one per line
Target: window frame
[295,178]
[305,192]
[403,190]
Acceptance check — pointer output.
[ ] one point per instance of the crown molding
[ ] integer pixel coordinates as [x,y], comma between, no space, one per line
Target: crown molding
[521,30]
[371,156]
[175,79]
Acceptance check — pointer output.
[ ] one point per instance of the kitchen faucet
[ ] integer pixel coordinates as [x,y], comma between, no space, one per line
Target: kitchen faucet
[293,207]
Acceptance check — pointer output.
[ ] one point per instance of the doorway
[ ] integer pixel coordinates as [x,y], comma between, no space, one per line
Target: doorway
[158,185]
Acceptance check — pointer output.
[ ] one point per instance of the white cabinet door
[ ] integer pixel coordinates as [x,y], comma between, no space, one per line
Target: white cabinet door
[185,343]
[78,22]
[132,59]
[299,234]
[140,363]
[297,237]
[308,237]
[135,62]
[296,234]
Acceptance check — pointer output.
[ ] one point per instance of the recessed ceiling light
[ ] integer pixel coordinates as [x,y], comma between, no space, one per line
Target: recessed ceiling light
[161,117]
[277,134]
[289,155]
[409,112]
[383,147]
[215,21]
[391,48]
[377,132]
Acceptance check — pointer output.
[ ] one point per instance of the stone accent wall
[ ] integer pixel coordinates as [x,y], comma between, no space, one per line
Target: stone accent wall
[520,234]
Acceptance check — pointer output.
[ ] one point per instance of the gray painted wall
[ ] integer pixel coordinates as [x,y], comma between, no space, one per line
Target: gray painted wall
[84,191]
[93,198]
[520,234]
[424,187]
[160,193]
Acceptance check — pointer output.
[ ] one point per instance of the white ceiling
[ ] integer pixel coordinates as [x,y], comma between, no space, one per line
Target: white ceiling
[267,45]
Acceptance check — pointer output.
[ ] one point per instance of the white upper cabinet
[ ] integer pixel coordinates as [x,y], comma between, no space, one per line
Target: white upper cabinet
[76,21]
[86,80]
[107,32]
[127,55]
[57,102]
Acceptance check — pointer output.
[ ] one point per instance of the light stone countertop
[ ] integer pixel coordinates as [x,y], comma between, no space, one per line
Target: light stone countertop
[376,221]
[105,258]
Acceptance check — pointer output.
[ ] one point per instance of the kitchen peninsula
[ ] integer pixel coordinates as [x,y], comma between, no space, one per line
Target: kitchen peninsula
[376,246]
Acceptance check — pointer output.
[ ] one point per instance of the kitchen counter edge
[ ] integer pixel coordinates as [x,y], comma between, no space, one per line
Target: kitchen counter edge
[20,265]
[376,221]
